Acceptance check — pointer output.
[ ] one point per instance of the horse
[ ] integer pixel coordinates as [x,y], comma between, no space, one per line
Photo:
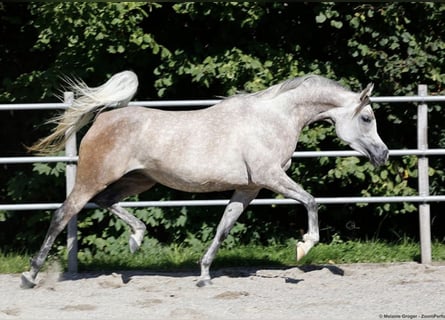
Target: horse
[243,143]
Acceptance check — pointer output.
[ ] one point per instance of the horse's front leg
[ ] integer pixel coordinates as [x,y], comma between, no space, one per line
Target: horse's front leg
[240,200]
[283,184]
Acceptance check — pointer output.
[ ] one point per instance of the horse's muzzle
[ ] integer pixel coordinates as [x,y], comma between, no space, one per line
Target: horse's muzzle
[379,155]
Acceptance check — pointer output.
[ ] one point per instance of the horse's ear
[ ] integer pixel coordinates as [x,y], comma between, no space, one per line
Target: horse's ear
[366,93]
[364,98]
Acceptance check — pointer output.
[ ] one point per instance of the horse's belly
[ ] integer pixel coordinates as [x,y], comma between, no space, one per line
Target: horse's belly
[200,180]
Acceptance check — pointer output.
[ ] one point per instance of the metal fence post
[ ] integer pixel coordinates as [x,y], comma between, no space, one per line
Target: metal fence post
[71,168]
[424,208]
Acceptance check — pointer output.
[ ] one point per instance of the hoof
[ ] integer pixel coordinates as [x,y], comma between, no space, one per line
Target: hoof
[204,283]
[300,252]
[134,244]
[27,281]
[304,247]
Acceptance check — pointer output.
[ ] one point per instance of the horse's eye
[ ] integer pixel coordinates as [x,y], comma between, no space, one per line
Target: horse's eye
[366,118]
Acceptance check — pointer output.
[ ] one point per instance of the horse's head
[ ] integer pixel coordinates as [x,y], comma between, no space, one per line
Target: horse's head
[356,125]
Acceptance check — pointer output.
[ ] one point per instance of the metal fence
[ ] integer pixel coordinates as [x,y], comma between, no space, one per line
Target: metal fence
[422,152]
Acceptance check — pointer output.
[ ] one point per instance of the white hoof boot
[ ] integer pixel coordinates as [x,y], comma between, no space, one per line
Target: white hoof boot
[300,251]
[303,248]
[135,242]
[27,281]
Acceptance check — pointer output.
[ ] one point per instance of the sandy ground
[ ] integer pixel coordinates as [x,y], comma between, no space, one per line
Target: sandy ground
[358,291]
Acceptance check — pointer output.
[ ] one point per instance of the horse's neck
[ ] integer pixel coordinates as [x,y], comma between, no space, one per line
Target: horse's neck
[311,106]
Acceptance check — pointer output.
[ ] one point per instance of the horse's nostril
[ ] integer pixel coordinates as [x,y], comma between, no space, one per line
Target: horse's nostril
[384,158]
[385,154]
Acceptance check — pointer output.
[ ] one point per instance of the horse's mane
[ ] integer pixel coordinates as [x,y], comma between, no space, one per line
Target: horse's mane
[292,84]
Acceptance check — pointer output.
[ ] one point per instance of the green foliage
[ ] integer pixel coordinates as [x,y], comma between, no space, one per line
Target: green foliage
[229,67]
[80,39]
[47,170]
[13,262]
[339,251]
[392,180]
[370,252]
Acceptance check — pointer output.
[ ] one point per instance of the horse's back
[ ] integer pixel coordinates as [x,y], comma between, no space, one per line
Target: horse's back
[186,150]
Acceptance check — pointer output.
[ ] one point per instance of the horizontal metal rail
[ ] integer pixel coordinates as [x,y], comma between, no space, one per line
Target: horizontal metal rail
[351,153]
[224,202]
[33,106]
[19,160]
[296,154]
[421,99]
[197,103]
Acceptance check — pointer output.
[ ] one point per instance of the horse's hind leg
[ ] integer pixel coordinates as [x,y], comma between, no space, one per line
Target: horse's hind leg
[72,205]
[240,200]
[132,183]
[137,226]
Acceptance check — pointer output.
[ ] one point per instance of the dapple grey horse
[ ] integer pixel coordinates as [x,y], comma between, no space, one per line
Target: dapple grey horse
[244,143]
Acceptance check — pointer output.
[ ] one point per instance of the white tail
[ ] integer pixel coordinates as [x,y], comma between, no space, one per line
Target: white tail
[118,91]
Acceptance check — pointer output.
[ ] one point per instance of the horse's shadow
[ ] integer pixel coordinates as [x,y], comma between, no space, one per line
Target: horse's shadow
[232,272]
[278,272]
